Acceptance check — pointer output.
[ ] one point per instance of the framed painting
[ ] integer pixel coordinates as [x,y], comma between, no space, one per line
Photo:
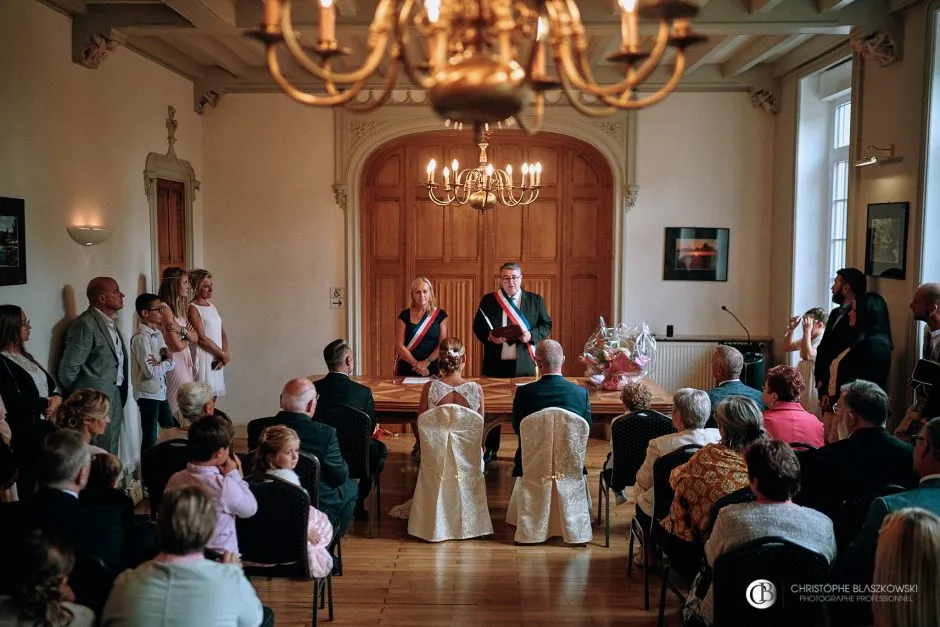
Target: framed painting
[886,240]
[696,254]
[12,241]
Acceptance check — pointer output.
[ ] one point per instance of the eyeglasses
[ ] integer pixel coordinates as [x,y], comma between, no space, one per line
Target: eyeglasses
[511,279]
[836,407]
[155,309]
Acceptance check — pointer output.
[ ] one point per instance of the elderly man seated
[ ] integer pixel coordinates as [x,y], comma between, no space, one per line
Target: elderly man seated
[727,365]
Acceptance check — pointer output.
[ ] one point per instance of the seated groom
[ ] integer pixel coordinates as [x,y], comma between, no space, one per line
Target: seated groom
[335,389]
[727,364]
[551,390]
[337,489]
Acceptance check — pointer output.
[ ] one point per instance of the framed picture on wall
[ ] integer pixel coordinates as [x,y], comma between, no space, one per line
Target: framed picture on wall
[695,254]
[12,241]
[886,240]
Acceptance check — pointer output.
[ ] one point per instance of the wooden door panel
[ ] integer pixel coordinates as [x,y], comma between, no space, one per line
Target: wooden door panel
[171,225]
[387,221]
[465,234]
[541,232]
[583,312]
[461,293]
[584,173]
[428,233]
[388,172]
[506,227]
[584,232]
[387,302]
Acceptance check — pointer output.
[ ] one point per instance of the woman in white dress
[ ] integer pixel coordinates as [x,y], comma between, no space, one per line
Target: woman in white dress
[212,353]
[179,335]
[813,324]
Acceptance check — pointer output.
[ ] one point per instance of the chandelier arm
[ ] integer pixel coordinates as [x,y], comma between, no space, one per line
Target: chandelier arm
[537,119]
[401,34]
[377,30]
[303,97]
[382,99]
[659,96]
[572,97]
[437,201]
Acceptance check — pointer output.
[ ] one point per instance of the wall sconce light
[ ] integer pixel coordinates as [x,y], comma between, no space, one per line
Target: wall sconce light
[872,158]
[89,235]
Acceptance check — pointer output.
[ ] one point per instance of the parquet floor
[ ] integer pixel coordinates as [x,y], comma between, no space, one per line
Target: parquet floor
[394,579]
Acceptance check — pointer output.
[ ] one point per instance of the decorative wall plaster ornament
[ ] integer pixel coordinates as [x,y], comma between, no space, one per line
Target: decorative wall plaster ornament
[763,99]
[630,198]
[358,129]
[95,50]
[614,128]
[340,193]
[171,126]
[209,101]
[877,46]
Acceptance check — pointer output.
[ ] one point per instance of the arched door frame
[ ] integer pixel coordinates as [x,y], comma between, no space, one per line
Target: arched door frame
[357,138]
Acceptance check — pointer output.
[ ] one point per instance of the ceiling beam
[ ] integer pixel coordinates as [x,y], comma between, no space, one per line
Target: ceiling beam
[347,8]
[209,47]
[715,48]
[205,12]
[164,55]
[826,6]
[752,54]
[812,49]
[761,6]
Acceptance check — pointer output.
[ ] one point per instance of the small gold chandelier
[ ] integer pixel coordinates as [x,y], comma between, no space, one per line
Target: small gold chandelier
[484,185]
[471,70]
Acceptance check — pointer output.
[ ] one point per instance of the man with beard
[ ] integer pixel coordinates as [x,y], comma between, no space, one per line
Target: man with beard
[849,284]
[926,308]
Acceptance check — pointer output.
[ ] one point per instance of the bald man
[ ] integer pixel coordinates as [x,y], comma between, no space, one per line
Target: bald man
[551,390]
[337,490]
[95,354]
[926,308]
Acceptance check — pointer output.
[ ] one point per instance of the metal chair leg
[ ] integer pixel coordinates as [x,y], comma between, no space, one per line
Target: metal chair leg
[606,516]
[630,553]
[329,595]
[600,489]
[647,565]
[316,605]
[372,512]
[378,495]
[662,597]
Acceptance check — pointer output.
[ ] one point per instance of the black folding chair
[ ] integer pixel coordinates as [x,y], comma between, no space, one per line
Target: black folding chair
[273,542]
[662,500]
[802,446]
[354,433]
[159,463]
[850,516]
[629,436]
[744,495]
[91,581]
[782,563]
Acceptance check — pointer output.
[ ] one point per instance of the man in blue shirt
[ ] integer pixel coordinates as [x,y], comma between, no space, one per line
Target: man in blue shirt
[727,364]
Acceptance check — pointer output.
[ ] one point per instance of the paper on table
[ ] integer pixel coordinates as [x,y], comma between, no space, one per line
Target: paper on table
[415,380]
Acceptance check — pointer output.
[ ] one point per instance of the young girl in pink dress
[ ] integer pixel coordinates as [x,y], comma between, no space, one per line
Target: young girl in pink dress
[277,454]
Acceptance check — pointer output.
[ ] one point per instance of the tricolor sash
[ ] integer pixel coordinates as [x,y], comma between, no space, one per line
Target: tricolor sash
[514,316]
[420,330]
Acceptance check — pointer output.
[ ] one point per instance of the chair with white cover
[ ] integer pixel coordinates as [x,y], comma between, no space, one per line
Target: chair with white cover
[552,498]
[450,495]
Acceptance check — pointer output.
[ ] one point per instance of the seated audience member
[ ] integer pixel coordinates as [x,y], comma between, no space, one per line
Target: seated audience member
[774,474]
[87,412]
[869,459]
[713,472]
[908,554]
[180,586]
[194,400]
[277,454]
[857,563]
[785,419]
[62,469]
[41,595]
[217,470]
[636,398]
[335,389]
[727,365]
[102,488]
[690,411]
[337,489]
[551,390]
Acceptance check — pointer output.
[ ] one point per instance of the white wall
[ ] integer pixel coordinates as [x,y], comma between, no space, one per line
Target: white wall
[74,142]
[703,160]
[274,241]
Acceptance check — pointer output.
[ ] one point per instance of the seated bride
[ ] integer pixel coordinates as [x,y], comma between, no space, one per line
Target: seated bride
[450,389]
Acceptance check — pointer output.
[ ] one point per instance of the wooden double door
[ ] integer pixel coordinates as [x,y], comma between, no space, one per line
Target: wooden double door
[563,240]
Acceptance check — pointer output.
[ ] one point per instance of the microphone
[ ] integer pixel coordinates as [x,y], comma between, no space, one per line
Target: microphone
[723,308]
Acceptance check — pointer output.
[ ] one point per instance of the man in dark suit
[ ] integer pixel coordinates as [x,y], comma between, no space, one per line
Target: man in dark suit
[335,389]
[504,358]
[727,364]
[551,390]
[337,489]
[849,284]
[96,355]
[865,461]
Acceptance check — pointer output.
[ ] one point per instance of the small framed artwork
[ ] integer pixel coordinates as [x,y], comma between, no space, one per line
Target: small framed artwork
[12,241]
[696,254]
[886,240]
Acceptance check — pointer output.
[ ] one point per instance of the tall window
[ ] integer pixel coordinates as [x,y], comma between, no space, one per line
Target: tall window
[839,183]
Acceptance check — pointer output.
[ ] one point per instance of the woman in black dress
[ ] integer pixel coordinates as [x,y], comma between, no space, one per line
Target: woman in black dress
[419,331]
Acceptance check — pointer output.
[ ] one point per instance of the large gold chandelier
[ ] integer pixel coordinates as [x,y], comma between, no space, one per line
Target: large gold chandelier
[482,60]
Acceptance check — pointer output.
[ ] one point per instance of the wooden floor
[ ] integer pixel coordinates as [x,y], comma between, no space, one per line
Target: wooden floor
[394,579]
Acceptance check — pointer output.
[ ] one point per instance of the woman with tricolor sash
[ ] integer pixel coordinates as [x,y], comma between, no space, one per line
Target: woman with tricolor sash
[419,330]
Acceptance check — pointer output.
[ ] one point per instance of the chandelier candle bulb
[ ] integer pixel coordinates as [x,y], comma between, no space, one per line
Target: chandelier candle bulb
[539,67]
[538,173]
[525,173]
[432,165]
[327,22]
[509,174]
[433,9]
[629,24]
[446,178]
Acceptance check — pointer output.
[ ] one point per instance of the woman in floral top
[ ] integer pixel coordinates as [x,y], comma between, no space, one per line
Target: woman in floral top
[713,472]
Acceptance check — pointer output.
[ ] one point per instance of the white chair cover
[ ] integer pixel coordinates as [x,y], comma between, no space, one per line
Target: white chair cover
[450,496]
[552,497]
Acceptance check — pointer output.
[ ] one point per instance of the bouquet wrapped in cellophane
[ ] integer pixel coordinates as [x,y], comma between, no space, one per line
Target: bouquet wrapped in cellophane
[616,355]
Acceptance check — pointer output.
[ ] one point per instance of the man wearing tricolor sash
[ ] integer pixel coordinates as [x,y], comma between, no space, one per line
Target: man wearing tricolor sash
[499,311]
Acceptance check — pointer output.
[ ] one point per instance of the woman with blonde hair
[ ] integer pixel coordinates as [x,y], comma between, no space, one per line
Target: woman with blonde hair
[418,332]
[277,454]
[212,353]
[908,554]
[87,411]
[179,335]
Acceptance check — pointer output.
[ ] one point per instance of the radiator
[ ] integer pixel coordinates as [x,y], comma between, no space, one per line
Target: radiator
[683,365]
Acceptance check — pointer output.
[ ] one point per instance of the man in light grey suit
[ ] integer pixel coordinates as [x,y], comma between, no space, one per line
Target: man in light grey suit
[96,355]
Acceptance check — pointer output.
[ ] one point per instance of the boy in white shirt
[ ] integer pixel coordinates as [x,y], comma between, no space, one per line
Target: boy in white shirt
[150,361]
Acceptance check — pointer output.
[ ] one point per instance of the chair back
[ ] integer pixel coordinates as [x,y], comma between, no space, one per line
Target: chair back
[849,517]
[308,469]
[629,436]
[662,468]
[802,446]
[159,463]
[450,494]
[277,533]
[91,581]
[744,495]
[353,431]
[781,563]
